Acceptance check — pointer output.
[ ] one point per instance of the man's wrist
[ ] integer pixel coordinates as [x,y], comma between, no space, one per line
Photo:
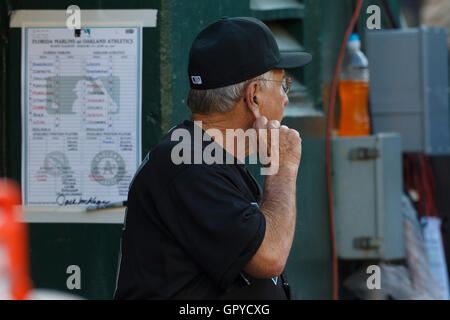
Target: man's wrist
[285,172]
[289,167]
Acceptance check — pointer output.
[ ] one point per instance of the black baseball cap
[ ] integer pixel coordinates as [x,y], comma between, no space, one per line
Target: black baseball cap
[232,50]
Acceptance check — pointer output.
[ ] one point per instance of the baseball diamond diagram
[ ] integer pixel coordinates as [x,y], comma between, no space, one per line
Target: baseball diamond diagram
[81,104]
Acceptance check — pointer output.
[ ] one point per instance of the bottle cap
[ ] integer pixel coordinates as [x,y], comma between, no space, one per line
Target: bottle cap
[353,42]
[353,37]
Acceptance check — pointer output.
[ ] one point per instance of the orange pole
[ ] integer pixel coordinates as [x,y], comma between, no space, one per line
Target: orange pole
[13,241]
[330,113]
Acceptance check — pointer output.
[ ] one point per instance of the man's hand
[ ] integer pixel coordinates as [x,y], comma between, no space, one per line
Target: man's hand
[287,146]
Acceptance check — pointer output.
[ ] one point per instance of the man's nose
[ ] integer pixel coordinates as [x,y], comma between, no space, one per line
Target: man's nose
[286,100]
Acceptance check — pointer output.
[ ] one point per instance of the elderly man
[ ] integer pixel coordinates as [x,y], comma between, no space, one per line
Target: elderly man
[202,230]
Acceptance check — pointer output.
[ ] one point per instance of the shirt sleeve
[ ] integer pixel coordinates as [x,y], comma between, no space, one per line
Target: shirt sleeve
[214,222]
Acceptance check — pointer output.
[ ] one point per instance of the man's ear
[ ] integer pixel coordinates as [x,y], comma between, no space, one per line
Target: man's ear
[251,98]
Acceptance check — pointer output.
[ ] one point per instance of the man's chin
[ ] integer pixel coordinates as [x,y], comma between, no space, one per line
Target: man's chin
[278,118]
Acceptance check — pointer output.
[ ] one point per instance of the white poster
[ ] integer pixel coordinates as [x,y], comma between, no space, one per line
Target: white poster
[81,107]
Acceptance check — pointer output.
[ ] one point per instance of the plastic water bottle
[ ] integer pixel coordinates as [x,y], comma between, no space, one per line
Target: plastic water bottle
[354,91]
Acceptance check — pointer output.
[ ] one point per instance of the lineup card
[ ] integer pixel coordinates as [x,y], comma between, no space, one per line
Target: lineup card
[81,107]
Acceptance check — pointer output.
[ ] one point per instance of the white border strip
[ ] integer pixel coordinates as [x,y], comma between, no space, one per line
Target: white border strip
[23,116]
[90,18]
[71,214]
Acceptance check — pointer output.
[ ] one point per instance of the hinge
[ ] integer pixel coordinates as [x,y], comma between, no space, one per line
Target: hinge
[367,243]
[363,153]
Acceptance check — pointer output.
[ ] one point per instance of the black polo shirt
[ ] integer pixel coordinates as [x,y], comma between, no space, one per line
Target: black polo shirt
[190,229]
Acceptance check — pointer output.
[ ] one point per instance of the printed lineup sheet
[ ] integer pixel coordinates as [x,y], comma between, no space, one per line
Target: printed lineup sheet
[81,107]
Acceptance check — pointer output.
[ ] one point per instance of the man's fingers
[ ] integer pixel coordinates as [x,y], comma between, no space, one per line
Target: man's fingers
[273,124]
[260,123]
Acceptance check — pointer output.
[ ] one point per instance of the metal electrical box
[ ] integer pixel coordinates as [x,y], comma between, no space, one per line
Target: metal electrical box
[367,188]
[409,86]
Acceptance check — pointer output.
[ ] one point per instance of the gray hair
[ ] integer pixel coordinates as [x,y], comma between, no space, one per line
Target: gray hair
[225,98]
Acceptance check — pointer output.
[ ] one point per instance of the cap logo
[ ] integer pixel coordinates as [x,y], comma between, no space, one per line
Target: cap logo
[196,79]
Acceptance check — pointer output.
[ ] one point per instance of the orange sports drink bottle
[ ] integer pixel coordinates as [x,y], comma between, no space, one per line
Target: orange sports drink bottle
[354,91]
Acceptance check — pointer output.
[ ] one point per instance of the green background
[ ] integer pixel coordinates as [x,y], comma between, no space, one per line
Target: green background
[318,24]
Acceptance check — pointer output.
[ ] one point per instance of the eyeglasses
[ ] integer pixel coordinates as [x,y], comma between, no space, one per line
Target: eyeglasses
[285,83]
